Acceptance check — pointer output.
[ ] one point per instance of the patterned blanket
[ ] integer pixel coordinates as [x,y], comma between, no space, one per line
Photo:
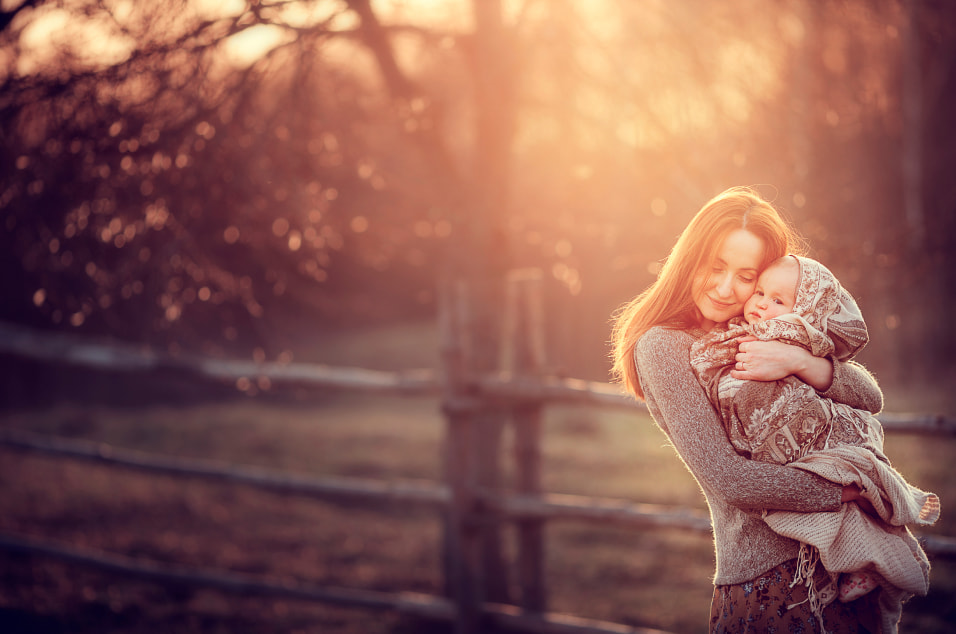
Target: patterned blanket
[787,421]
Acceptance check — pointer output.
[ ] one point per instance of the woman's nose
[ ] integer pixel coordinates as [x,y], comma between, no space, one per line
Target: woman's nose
[724,286]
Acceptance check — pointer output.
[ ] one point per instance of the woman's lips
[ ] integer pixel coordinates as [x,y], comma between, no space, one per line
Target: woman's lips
[721,305]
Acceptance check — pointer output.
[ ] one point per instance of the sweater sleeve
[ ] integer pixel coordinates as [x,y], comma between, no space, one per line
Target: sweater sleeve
[679,405]
[853,385]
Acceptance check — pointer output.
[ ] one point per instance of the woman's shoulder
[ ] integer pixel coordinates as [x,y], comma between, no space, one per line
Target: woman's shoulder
[661,340]
[657,335]
[662,361]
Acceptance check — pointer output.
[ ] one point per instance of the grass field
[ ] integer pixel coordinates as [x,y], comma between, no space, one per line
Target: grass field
[650,578]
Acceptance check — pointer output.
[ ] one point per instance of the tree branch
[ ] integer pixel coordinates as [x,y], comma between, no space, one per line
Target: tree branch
[6,17]
[377,40]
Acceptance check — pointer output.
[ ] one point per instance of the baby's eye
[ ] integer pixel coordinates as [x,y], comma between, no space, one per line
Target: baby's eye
[778,302]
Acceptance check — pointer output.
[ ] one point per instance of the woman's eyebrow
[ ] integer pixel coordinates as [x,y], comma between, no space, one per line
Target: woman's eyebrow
[720,260]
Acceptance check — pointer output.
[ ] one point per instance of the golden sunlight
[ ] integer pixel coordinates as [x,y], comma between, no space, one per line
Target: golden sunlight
[646,98]
[454,15]
[244,48]
[94,42]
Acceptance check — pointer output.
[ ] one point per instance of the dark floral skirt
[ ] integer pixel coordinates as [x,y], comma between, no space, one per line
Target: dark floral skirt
[763,606]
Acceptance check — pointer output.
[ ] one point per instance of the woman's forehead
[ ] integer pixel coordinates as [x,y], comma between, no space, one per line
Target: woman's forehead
[741,249]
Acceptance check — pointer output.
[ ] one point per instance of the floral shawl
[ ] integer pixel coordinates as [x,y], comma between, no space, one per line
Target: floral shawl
[780,421]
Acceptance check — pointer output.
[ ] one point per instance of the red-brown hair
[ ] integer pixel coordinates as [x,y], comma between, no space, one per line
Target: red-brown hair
[669,301]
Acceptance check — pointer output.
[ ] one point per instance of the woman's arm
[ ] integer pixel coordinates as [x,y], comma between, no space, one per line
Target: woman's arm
[844,382]
[679,404]
[853,385]
[852,493]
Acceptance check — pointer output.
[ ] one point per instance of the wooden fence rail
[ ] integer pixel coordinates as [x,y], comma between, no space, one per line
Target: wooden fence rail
[61,348]
[472,500]
[380,494]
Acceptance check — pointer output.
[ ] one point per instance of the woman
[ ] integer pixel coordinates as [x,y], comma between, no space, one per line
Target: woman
[708,276]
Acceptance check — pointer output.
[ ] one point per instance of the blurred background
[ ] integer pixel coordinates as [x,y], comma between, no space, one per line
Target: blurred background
[275,180]
[227,177]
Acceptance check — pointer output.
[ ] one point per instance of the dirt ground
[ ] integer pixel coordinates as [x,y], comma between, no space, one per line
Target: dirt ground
[196,524]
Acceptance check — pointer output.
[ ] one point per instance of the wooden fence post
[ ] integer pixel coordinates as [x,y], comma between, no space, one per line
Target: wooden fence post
[480,333]
[524,327]
[462,545]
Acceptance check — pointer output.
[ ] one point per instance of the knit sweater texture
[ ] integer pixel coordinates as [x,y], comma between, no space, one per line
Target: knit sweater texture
[737,489]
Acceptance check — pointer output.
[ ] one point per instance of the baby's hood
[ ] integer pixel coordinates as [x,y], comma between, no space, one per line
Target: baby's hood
[831,316]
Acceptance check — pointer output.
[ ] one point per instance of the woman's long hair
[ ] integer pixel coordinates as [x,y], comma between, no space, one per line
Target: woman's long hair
[669,301]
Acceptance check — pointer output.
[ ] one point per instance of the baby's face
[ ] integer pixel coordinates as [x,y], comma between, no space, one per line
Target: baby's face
[774,294]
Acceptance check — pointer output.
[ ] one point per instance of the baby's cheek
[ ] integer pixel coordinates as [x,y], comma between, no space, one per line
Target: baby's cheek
[745,292]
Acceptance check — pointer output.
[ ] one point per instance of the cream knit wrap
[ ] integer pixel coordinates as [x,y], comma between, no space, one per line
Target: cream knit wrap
[787,422]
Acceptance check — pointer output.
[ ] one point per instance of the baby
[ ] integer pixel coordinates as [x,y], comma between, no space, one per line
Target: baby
[799,301]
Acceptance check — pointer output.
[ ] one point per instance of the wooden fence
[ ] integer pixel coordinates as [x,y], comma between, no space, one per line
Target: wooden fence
[471,501]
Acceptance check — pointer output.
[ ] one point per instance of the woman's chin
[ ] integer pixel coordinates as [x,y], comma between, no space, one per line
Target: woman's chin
[720,317]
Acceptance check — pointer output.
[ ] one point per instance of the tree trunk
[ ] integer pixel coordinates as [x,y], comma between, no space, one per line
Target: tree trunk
[489,256]
[912,112]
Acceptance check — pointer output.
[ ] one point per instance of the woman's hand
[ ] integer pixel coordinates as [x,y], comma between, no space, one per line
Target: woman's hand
[852,493]
[774,360]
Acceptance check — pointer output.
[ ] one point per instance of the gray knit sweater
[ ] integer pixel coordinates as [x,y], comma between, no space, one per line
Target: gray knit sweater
[737,489]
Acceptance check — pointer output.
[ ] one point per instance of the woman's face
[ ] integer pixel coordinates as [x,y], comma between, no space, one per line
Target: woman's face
[723,286]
